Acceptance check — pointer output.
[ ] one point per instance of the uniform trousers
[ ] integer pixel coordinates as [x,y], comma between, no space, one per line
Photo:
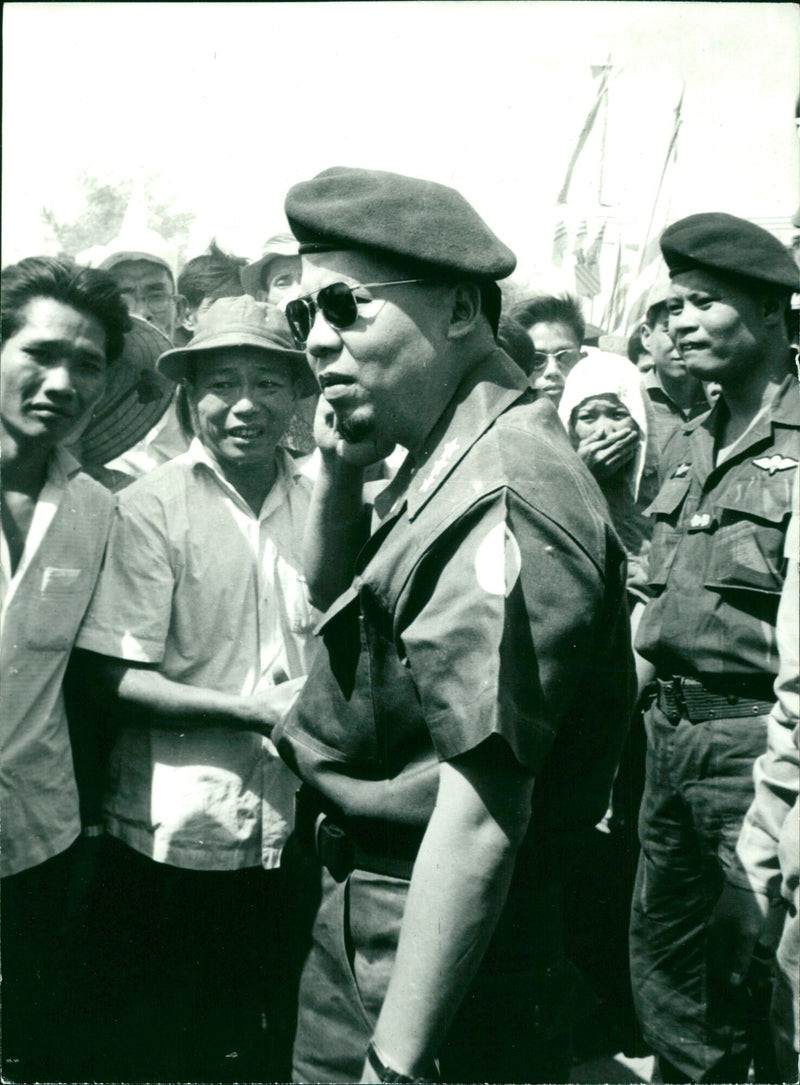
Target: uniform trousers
[698,787]
[515,1023]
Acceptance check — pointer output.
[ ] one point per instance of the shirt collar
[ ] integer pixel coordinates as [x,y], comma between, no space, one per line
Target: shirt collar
[289,470]
[61,467]
[784,409]
[483,394]
[652,383]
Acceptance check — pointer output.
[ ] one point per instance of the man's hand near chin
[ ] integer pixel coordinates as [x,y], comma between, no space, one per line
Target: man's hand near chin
[333,445]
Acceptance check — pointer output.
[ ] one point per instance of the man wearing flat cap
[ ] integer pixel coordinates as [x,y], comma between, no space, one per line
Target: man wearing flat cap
[446,737]
[201,632]
[716,571]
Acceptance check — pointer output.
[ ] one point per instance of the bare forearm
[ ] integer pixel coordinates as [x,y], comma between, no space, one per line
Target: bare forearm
[147,695]
[336,529]
[460,884]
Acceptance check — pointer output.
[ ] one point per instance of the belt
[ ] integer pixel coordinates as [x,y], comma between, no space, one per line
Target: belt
[375,846]
[680,697]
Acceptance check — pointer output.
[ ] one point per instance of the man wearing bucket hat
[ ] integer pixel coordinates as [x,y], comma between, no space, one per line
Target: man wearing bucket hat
[202,632]
[62,334]
[441,723]
[716,573]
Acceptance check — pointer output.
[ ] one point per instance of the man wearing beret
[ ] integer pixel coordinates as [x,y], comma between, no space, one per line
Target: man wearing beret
[445,738]
[201,630]
[716,570]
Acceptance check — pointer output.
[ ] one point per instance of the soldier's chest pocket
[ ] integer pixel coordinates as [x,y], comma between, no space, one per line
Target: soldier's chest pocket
[667,513]
[57,601]
[748,544]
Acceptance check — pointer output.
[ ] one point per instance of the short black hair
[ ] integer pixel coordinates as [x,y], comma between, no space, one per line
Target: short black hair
[552,309]
[635,346]
[90,290]
[214,274]
[517,344]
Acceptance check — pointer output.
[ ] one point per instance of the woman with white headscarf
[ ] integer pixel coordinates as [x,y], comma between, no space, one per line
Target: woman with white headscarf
[608,417]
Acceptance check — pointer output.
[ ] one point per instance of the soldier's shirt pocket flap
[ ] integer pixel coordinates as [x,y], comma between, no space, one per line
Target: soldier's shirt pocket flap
[758,497]
[59,581]
[669,497]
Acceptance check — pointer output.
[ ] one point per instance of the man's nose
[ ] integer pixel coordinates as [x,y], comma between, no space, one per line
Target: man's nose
[681,320]
[58,382]
[246,403]
[322,339]
[552,372]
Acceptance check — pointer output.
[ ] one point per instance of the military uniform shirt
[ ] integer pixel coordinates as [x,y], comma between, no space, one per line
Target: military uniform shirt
[716,560]
[489,600]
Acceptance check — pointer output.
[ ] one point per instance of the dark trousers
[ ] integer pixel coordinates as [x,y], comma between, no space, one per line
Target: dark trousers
[44,944]
[515,1023]
[199,969]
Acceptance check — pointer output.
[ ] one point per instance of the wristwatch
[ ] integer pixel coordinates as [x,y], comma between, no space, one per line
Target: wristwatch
[390,1077]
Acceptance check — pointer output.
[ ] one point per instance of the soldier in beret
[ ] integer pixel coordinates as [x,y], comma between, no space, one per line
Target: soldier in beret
[716,571]
[444,737]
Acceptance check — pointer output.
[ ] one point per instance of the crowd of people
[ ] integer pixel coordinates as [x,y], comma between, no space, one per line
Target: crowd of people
[395,686]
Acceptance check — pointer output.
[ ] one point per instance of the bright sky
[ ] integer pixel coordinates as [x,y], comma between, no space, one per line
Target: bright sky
[229,104]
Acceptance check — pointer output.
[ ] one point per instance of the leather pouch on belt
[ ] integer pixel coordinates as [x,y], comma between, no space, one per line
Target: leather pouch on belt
[334,849]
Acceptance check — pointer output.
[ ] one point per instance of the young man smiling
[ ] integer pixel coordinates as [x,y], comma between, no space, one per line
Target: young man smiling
[202,630]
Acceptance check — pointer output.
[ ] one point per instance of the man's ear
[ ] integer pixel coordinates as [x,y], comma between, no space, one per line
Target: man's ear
[465,311]
[181,311]
[772,307]
[645,334]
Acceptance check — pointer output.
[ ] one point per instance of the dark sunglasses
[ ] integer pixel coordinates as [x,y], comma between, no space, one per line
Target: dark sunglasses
[337,302]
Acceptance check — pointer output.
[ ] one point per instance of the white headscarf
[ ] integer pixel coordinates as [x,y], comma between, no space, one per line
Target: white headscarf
[603,374]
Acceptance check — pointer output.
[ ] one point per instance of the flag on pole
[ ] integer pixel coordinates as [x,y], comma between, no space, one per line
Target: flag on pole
[587,266]
[603,71]
[650,252]
[560,240]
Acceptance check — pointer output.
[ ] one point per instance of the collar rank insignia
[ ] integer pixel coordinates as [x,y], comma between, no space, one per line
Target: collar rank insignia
[771,464]
[681,470]
[700,520]
[439,466]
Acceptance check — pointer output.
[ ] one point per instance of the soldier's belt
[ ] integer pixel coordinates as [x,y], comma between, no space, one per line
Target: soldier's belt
[377,847]
[680,697]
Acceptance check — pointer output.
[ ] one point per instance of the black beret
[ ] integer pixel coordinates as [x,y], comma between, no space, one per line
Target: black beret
[725,243]
[396,217]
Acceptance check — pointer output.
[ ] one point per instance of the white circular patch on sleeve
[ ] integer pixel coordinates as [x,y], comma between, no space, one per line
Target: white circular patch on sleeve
[498,561]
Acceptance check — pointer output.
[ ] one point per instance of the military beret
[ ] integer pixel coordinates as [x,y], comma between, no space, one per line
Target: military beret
[396,217]
[732,245]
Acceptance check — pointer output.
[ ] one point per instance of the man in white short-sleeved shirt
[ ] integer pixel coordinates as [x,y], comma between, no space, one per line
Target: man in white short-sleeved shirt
[62,326]
[202,629]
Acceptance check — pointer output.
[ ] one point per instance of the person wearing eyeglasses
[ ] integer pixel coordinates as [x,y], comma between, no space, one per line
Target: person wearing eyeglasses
[557,328]
[466,710]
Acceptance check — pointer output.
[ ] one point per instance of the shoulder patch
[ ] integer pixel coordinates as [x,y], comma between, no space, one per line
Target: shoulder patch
[774,463]
[498,561]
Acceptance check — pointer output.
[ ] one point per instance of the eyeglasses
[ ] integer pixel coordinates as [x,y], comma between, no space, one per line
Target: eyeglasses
[157,301]
[567,357]
[337,302]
